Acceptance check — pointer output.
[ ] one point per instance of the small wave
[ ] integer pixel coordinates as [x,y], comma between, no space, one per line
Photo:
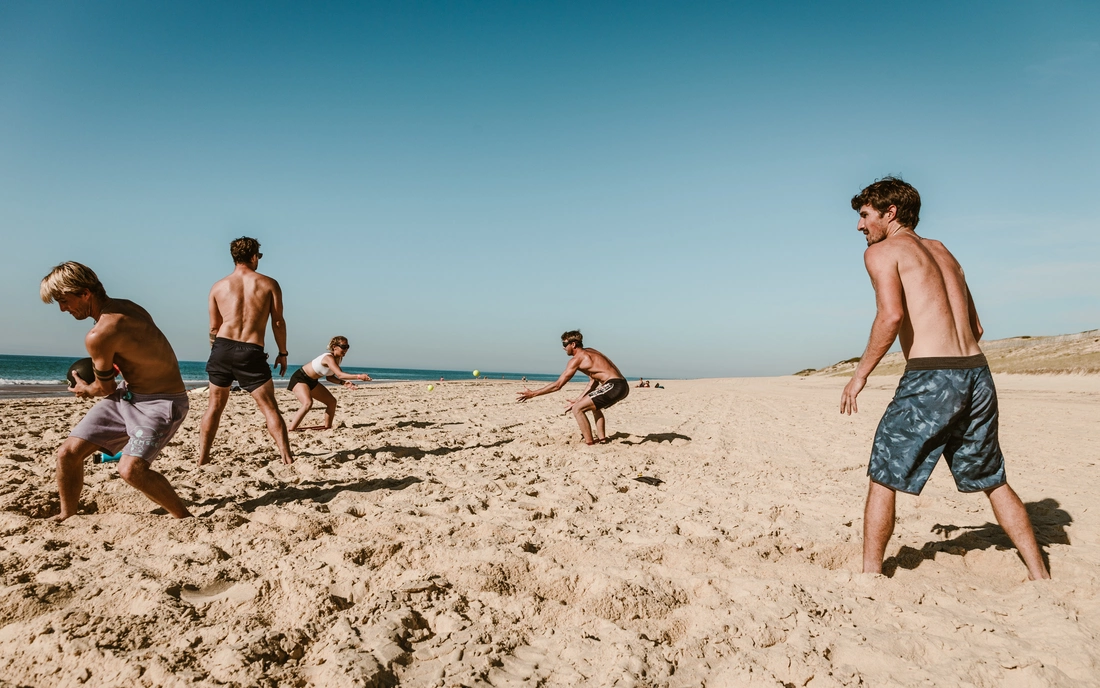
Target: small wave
[4,381]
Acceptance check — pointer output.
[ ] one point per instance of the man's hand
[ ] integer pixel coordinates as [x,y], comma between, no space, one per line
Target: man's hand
[81,387]
[848,396]
[524,395]
[280,366]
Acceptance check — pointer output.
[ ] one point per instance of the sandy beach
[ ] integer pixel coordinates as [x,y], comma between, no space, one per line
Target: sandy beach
[455,538]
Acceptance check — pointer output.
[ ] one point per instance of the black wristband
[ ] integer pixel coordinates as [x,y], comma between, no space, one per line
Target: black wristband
[283,353]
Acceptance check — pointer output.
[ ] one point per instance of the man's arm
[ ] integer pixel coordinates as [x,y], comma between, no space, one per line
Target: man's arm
[570,371]
[592,383]
[890,311]
[215,318]
[101,348]
[975,324]
[278,326]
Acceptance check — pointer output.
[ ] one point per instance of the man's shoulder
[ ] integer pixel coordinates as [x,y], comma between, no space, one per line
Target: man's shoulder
[264,281]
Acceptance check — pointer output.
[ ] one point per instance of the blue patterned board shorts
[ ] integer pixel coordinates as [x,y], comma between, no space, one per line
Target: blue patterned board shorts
[943,406]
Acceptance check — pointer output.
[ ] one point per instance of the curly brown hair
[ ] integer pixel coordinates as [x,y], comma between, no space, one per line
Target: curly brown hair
[572,336]
[891,191]
[243,248]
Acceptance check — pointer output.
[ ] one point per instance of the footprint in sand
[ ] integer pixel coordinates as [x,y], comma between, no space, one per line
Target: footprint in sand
[234,593]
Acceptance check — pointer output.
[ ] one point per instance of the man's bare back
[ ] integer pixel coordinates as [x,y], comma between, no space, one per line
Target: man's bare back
[240,305]
[126,335]
[596,366]
[939,317]
[946,403]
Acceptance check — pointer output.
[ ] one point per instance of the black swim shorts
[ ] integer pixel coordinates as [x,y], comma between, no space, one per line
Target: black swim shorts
[232,360]
[610,393]
[300,376]
[943,406]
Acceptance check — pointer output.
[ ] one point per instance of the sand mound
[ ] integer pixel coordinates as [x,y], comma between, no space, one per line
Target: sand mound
[1067,353]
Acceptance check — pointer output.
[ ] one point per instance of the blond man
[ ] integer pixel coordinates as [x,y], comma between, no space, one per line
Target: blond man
[140,415]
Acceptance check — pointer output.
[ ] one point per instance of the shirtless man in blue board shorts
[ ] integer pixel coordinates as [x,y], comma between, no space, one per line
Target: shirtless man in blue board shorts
[606,387]
[240,305]
[139,416]
[945,403]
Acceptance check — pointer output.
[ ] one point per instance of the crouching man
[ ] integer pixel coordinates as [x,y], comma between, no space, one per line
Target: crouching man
[139,416]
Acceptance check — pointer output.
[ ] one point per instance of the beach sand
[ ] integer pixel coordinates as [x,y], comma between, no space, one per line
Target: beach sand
[454,538]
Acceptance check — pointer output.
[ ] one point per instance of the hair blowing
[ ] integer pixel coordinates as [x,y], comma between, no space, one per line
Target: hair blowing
[70,278]
[336,341]
[891,191]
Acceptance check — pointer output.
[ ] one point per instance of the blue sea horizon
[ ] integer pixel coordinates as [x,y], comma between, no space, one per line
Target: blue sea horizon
[19,370]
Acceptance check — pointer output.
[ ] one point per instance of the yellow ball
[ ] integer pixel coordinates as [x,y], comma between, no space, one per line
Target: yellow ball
[477,373]
[431,387]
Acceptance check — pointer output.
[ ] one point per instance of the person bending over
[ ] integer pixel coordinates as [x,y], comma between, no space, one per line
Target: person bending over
[139,416]
[306,382]
[606,386]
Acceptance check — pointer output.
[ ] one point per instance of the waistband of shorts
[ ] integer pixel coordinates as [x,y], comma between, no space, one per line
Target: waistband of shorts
[946,362]
[178,396]
[234,342]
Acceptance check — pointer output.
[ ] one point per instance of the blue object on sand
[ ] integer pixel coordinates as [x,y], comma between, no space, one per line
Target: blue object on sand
[100,457]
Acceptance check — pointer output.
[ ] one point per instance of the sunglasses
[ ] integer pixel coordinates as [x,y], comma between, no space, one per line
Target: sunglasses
[345,347]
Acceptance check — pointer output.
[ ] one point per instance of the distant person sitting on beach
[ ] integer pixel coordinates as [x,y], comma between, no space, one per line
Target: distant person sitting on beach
[139,416]
[641,382]
[306,382]
[606,386]
[657,385]
[240,306]
[945,403]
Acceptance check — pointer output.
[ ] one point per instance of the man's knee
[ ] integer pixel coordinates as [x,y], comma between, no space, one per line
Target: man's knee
[132,469]
[70,452]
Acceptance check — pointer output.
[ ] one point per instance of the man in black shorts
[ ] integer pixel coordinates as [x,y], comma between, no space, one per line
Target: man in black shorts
[240,306]
[945,403]
[606,387]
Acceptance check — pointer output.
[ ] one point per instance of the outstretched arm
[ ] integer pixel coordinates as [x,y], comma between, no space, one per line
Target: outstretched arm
[339,377]
[570,371]
[592,384]
[278,326]
[883,269]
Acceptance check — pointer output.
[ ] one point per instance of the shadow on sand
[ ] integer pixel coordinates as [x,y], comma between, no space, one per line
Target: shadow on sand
[400,452]
[1047,518]
[320,492]
[655,437]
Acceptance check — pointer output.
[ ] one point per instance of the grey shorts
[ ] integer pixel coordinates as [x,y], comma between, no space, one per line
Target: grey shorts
[139,426]
[943,406]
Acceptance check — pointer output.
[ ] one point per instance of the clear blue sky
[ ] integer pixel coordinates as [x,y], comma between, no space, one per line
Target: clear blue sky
[454,184]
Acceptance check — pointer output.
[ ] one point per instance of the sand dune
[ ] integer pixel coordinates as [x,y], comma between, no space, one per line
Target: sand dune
[1066,353]
[455,538]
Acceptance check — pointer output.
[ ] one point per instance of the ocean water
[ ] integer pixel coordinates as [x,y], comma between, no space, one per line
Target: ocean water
[50,370]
